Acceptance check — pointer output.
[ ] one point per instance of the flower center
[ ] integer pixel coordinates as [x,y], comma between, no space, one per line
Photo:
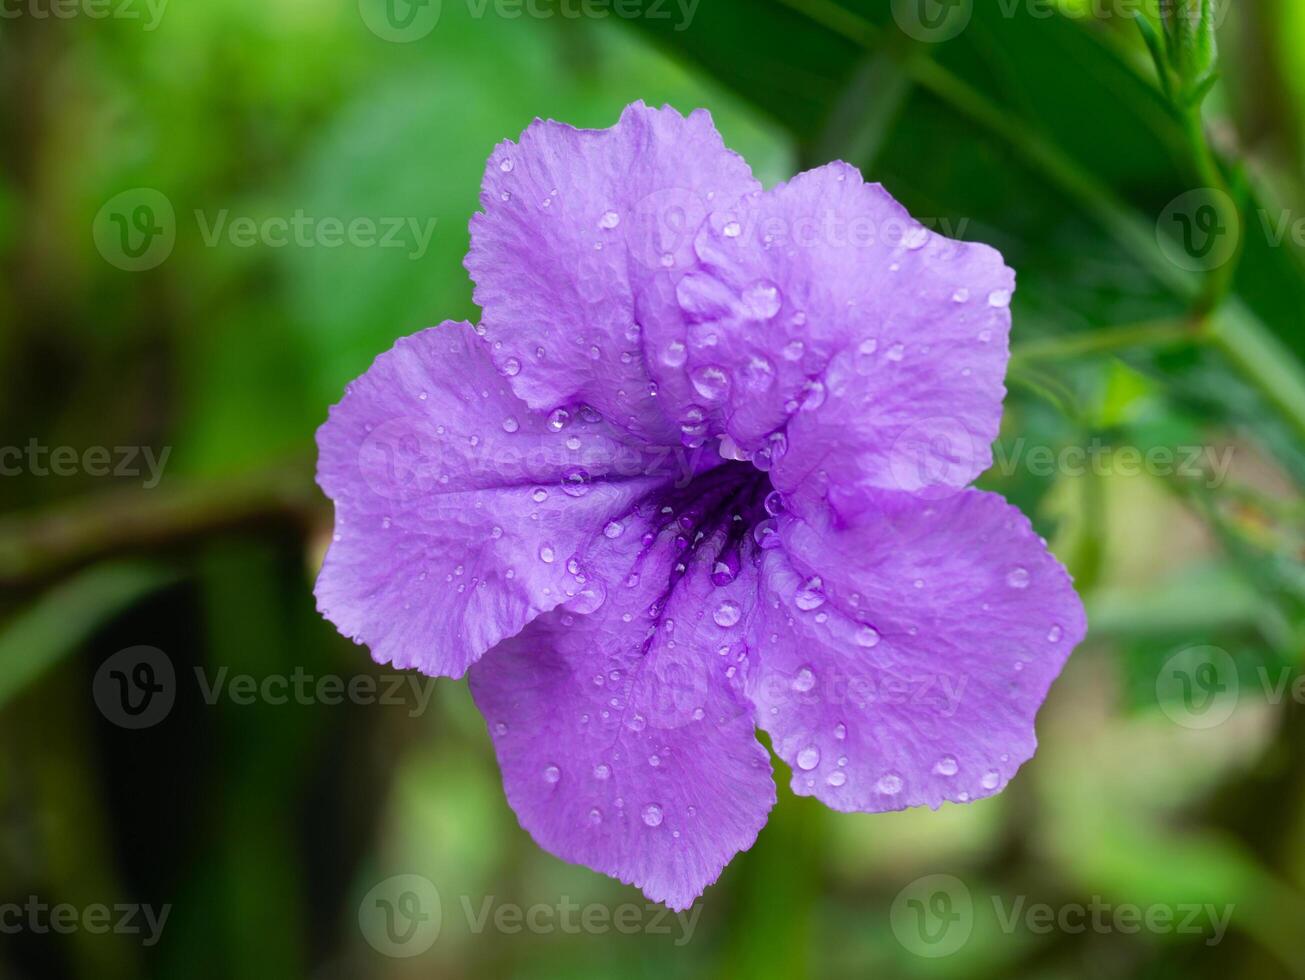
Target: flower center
[718,510]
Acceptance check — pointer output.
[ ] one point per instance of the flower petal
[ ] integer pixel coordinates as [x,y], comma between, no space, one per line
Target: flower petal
[623,742]
[457,508]
[905,657]
[825,321]
[575,224]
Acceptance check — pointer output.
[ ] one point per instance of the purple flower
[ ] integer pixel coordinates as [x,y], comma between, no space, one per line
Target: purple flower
[703,468]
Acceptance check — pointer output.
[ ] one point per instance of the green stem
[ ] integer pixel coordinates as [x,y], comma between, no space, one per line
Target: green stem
[1247,341]
[1159,333]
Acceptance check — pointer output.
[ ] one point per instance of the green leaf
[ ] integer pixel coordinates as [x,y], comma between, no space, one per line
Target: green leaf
[51,628]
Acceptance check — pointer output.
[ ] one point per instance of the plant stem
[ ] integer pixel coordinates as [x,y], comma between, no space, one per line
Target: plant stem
[1158,333]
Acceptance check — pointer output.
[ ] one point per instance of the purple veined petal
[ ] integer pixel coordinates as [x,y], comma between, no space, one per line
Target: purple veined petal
[822,313]
[575,224]
[457,508]
[903,658]
[623,736]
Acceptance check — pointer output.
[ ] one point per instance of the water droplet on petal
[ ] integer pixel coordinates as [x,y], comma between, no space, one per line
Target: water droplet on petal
[808,758]
[652,815]
[837,778]
[595,816]
[674,355]
[890,784]
[546,555]
[609,220]
[510,424]
[511,367]
[990,779]
[805,680]
[766,534]
[575,481]
[552,774]
[867,636]
[999,298]
[614,529]
[1054,634]
[810,596]
[601,771]
[1018,578]
[947,766]
[711,382]
[506,165]
[727,613]
[732,229]
[761,300]
[558,418]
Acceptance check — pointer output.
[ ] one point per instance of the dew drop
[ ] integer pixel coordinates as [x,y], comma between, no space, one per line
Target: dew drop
[990,779]
[840,731]
[557,419]
[761,300]
[867,636]
[539,495]
[652,815]
[674,354]
[794,350]
[889,784]
[1018,578]
[837,778]
[609,220]
[710,382]
[732,229]
[727,613]
[506,165]
[947,766]
[511,367]
[575,482]
[601,771]
[896,352]
[808,758]
[614,529]
[810,596]
[546,555]
[1054,634]
[961,296]
[552,774]
[595,816]
[999,298]
[805,680]
[510,424]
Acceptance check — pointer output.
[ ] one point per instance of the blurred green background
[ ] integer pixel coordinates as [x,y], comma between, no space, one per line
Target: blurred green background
[1155,430]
